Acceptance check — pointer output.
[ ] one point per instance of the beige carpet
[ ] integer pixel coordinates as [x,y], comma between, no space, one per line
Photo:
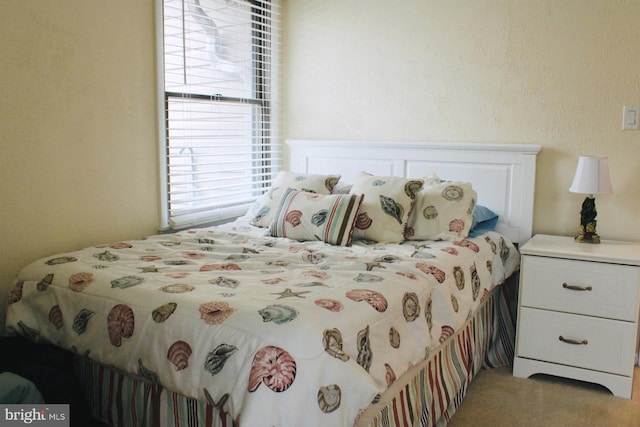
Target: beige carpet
[496,398]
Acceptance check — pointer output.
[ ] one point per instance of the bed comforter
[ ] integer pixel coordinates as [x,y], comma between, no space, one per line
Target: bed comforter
[273,331]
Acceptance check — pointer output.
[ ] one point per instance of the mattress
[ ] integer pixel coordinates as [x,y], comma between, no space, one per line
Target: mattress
[270,330]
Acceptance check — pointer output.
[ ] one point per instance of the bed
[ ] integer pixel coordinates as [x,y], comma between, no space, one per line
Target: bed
[375,320]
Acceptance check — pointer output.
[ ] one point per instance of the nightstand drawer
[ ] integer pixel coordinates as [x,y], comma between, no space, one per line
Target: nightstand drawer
[598,344]
[583,287]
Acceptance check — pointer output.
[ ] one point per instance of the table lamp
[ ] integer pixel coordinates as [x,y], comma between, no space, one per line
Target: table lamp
[592,177]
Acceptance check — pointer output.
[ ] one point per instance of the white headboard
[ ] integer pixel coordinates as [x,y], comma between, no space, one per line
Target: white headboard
[502,174]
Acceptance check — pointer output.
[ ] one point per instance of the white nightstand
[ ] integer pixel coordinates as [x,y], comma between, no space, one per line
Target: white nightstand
[578,311]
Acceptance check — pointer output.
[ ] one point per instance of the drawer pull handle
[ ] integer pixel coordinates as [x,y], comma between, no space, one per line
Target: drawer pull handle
[574,342]
[576,288]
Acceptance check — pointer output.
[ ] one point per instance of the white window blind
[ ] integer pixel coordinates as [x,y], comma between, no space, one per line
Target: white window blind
[220,86]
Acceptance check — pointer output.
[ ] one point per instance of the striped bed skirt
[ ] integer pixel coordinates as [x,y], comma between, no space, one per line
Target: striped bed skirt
[428,395]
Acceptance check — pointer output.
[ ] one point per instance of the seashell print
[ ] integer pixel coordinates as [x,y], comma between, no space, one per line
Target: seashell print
[217,358]
[331,182]
[390,376]
[453,193]
[368,278]
[456,226]
[438,274]
[126,282]
[472,206]
[475,282]
[329,398]
[294,217]
[163,312]
[332,342]
[427,313]
[225,282]
[179,354]
[319,217]
[468,244]
[322,275]
[177,262]
[454,303]
[15,294]
[278,314]
[230,266]
[387,259]
[392,208]
[372,265]
[422,255]
[394,337]
[81,321]
[363,221]
[373,298]
[147,374]
[446,332]
[411,188]
[170,244]
[430,212]
[28,332]
[45,282]
[78,282]
[329,304]
[378,182]
[491,244]
[61,260]
[55,317]
[181,275]
[313,257]
[150,258]
[215,312]
[504,250]
[458,274]
[237,257]
[410,306]
[450,250]
[365,355]
[409,232]
[407,275]
[262,212]
[273,280]
[490,266]
[106,256]
[205,241]
[485,295]
[311,284]
[120,245]
[120,324]
[274,367]
[177,288]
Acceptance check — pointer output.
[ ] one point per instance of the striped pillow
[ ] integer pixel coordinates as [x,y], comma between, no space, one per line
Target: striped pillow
[308,216]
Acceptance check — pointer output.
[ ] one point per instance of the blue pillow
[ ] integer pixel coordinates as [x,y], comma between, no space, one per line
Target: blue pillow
[484,219]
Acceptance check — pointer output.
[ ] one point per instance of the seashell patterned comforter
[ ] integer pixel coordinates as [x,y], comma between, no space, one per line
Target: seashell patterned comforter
[280,332]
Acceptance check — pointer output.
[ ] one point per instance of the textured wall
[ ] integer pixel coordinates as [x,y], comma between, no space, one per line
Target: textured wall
[78,158]
[555,73]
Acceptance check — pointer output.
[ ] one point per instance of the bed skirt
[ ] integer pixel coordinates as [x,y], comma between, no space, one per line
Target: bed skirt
[428,395]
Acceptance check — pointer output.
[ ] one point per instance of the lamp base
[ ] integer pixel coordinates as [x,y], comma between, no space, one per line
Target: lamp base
[587,238]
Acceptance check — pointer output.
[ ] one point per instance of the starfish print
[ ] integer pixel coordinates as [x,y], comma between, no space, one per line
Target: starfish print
[150,269]
[289,293]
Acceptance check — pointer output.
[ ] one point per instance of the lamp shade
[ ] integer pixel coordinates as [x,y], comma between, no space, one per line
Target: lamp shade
[592,176]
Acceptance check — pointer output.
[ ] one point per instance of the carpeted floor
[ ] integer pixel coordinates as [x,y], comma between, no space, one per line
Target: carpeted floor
[496,398]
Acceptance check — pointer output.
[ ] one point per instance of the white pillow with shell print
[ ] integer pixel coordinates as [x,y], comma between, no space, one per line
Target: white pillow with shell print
[267,205]
[385,210]
[443,211]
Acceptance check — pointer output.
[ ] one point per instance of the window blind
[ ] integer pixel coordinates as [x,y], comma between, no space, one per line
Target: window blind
[220,84]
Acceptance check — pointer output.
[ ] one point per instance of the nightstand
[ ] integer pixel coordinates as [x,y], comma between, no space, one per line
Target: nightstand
[578,311]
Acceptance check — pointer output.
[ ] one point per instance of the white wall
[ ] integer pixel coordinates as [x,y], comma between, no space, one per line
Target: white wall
[555,73]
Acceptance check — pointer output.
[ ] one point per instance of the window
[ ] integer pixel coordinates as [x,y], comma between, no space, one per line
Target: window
[219,86]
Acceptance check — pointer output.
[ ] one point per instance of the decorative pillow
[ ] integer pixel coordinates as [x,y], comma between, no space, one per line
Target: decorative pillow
[443,211]
[484,219]
[388,201]
[308,216]
[269,201]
